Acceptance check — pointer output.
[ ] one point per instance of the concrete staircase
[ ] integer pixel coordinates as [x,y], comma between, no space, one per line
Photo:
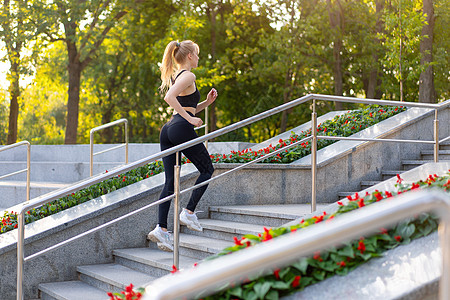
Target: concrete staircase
[426,156]
[142,265]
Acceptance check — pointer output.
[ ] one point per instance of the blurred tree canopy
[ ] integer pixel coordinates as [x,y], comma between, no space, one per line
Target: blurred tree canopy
[257,54]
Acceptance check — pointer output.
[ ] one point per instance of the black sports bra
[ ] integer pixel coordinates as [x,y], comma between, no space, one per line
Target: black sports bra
[188,100]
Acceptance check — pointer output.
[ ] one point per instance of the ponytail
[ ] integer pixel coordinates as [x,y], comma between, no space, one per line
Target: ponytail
[175,54]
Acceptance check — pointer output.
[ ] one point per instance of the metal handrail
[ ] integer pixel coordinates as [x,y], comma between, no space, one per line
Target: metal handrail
[101,127]
[28,169]
[101,177]
[260,259]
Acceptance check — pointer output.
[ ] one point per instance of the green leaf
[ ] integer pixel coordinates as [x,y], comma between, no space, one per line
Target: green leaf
[261,289]
[302,265]
[347,251]
[272,295]
[280,285]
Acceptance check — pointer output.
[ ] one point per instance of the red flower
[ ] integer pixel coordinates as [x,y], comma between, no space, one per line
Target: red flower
[384,231]
[174,269]
[341,263]
[129,289]
[340,203]
[398,238]
[399,179]
[378,196]
[276,273]
[237,241]
[317,256]
[361,202]
[296,281]
[266,236]
[361,246]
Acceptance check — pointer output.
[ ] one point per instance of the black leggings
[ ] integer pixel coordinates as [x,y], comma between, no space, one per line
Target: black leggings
[175,132]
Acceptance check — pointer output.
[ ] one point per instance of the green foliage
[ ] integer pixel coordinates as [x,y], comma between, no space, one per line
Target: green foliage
[341,125]
[9,219]
[334,261]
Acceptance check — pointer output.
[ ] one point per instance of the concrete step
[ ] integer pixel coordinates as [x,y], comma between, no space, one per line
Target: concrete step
[429,155]
[266,215]
[366,184]
[386,174]
[345,194]
[151,261]
[14,192]
[70,290]
[112,277]
[200,247]
[224,230]
[411,164]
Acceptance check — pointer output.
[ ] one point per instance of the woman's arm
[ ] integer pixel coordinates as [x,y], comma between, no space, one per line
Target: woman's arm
[212,95]
[182,83]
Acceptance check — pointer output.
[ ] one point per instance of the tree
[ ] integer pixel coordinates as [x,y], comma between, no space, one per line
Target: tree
[86,24]
[427,92]
[336,16]
[15,34]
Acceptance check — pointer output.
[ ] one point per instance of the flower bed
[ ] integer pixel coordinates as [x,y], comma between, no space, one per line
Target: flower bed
[343,125]
[339,261]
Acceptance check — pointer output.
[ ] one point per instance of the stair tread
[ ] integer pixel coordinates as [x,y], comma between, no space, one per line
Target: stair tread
[231,227]
[154,257]
[203,243]
[116,275]
[370,182]
[285,211]
[72,290]
[392,172]
[432,151]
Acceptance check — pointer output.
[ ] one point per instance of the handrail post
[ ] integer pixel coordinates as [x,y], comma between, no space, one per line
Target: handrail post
[28,170]
[20,253]
[436,136]
[91,153]
[91,142]
[126,141]
[176,214]
[313,157]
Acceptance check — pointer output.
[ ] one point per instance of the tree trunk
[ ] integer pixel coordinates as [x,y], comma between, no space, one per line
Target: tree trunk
[373,84]
[427,92]
[211,12]
[336,24]
[14,91]
[74,69]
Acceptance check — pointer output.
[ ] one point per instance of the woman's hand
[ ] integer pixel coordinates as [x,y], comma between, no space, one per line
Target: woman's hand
[197,122]
[212,95]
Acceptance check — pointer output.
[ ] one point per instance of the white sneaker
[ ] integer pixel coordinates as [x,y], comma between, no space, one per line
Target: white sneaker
[190,220]
[162,238]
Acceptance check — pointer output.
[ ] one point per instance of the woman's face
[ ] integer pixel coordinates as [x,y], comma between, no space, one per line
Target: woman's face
[194,59]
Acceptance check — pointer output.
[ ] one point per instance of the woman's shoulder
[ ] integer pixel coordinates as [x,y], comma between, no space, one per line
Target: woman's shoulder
[187,75]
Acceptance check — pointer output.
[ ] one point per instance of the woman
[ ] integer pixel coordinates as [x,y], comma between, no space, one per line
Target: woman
[183,96]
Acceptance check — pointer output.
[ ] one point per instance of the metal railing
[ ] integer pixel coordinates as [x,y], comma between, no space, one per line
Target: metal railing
[205,125]
[101,127]
[28,169]
[261,259]
[119,170]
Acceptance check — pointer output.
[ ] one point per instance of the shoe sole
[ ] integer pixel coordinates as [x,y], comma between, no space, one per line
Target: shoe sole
[190,227]
[161,245]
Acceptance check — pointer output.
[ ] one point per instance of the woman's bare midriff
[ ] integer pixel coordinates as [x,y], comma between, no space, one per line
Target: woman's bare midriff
[189,109]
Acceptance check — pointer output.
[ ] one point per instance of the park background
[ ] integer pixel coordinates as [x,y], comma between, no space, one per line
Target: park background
[73,65]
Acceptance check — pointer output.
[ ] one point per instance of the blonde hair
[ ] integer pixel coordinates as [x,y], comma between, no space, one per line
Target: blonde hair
[175,54]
